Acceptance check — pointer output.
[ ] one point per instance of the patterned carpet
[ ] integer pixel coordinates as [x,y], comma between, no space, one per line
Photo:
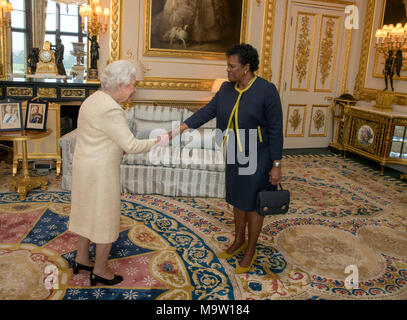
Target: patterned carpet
[342,214]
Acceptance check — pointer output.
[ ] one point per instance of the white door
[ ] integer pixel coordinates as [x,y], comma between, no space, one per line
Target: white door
[313,71]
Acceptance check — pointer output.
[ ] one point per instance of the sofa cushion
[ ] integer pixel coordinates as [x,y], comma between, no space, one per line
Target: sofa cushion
[210,124]
[151,129]
[201,138]
[148,121]
[157,156]
[203,159]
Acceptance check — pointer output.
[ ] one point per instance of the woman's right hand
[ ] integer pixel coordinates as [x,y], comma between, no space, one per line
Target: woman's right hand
[163,140]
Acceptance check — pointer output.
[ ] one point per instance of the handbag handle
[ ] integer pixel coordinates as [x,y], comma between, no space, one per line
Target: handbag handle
[270,186]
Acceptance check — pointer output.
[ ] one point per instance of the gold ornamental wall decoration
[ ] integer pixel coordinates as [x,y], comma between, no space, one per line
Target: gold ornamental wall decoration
[295,120]
[303,50]
[319,120]
[326,54]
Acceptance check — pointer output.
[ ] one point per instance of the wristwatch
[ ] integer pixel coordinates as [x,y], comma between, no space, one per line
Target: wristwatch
[276,164]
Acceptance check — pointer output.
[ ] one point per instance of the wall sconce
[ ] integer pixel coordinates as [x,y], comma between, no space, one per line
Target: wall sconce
[5,18]
[217,84]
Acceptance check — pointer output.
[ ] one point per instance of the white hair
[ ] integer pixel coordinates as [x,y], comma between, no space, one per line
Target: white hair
[117,73]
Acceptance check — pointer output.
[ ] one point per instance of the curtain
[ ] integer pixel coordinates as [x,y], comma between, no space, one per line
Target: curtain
[39,15]
[8,51]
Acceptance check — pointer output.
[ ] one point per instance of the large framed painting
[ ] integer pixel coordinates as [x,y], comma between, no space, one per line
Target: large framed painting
[201,29]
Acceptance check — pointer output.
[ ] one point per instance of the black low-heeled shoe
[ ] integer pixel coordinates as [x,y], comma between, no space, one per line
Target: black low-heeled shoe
[109,282]
[77,266]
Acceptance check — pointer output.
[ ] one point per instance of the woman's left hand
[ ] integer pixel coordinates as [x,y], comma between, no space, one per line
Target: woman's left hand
[275,175]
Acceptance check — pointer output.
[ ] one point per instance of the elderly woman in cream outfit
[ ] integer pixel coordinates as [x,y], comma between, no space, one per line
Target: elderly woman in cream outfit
[103,135]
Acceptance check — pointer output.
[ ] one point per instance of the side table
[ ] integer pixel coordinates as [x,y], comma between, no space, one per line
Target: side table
[25,183]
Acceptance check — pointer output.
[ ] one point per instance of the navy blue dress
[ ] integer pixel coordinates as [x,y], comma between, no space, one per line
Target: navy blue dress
[259,113]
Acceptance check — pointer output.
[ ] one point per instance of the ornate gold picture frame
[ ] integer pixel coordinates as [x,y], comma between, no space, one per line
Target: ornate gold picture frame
[361,92]
[193,29]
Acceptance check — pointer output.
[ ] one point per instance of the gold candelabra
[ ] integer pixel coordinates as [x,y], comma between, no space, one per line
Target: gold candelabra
[391,38]
[96,17]
[5,18]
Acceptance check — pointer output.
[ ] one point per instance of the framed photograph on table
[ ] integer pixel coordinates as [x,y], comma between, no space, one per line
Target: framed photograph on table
[11,115]
[36,116]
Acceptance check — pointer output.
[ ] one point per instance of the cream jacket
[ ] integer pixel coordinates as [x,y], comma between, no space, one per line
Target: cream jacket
[103,135]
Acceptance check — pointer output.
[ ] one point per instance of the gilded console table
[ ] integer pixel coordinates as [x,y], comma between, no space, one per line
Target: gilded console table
[25,183]
[377,134]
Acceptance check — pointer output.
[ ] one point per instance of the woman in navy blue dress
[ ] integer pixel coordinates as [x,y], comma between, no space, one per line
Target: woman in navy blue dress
[248,111]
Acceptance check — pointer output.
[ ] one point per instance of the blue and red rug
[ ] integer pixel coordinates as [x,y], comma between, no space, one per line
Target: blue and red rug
[345,221]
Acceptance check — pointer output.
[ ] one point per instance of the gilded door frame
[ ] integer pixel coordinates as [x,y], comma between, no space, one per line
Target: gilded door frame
[360,91]
[116,27]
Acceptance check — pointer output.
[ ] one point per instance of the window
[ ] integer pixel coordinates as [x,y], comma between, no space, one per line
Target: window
[64,20]
[61,19]
[19,37]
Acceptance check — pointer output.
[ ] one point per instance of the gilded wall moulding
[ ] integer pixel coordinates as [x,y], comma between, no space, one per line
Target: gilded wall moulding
[327,51]
[302,55]
[191,105]
[115,29]
[267,42]
[175,84]
[360,90]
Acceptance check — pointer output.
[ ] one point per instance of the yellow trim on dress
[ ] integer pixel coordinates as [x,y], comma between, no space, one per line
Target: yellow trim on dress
[235,112]
[260,136]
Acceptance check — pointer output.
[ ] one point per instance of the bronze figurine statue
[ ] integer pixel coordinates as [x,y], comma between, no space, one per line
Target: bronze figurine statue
[392,65]
[94,52]
[59,56]
[32,60]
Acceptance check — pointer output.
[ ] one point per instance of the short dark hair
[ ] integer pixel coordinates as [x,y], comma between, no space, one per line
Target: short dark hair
[247,55]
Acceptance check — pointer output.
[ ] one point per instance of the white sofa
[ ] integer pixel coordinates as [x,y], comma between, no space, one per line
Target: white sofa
[193,165]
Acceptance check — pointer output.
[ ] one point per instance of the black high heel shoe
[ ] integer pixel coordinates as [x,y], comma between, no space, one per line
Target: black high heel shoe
[95,278]
[77,266]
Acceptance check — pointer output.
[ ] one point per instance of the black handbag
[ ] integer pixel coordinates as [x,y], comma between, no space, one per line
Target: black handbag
[270,202]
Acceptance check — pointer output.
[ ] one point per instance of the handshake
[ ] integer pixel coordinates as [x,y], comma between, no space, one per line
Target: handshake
[164,139]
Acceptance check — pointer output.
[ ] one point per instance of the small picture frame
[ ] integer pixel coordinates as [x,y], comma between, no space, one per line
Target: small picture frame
[10,115]
[36,116]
